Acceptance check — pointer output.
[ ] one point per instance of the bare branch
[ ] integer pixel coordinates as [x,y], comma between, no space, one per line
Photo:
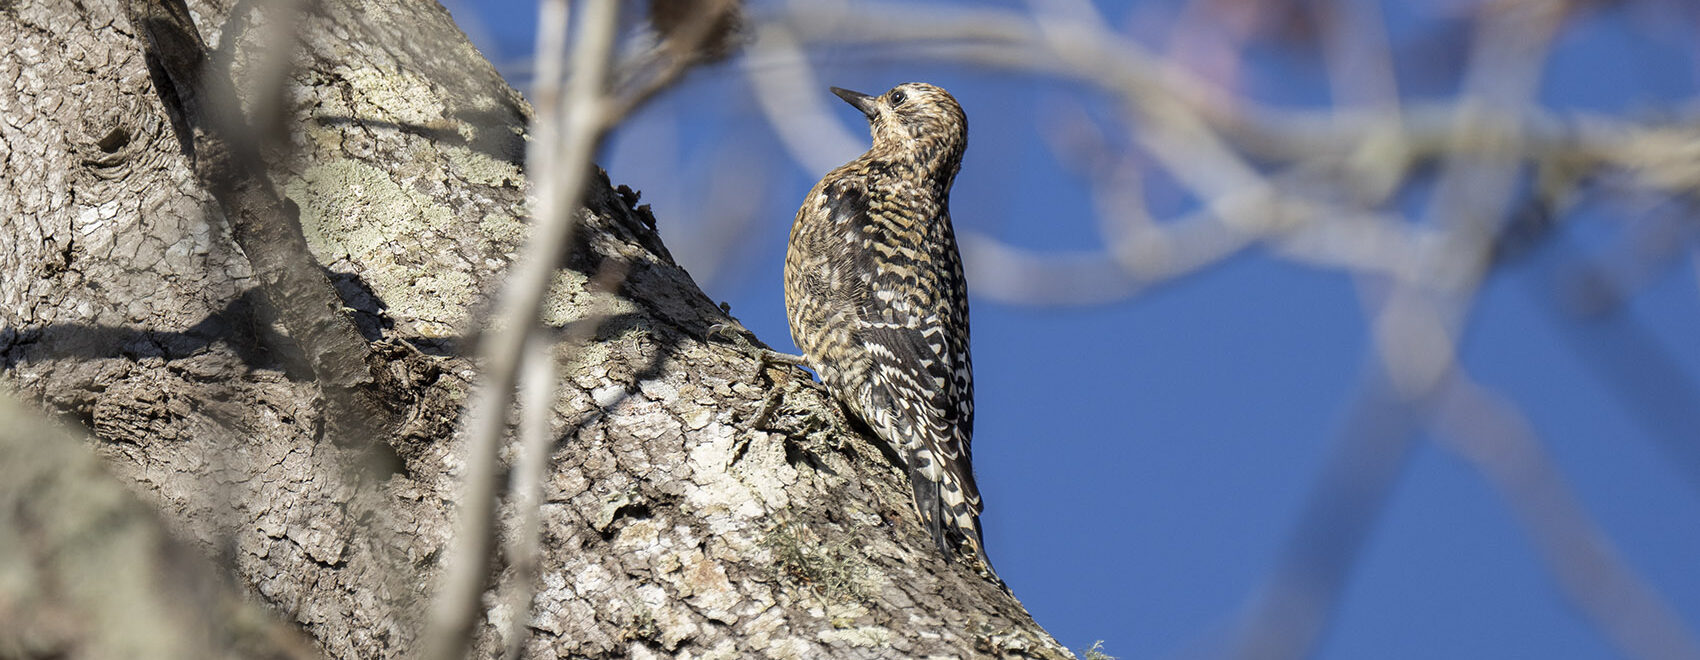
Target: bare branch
[1287,616]
[702,33]
[560,165]
[787,91]
[1490,433]
[1197,131]
[531,467]
[567,134]
[1416,325]
[531,463]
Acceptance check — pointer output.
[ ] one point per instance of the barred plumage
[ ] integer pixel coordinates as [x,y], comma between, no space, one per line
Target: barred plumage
[876,298]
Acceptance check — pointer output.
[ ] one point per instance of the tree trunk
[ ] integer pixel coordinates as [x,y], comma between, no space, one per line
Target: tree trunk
[672,526]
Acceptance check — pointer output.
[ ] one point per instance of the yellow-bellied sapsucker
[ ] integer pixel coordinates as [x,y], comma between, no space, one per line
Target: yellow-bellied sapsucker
[876,298]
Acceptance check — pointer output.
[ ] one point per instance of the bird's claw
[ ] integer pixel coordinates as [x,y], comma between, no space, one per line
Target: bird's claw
[740,339]
[737,335]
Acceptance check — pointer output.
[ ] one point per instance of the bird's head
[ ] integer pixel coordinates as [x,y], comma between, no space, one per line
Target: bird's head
[916,119]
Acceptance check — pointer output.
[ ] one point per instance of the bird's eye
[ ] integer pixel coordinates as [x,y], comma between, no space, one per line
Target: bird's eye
[897,98]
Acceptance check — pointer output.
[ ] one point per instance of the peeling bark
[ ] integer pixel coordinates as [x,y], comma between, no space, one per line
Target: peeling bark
[671,526]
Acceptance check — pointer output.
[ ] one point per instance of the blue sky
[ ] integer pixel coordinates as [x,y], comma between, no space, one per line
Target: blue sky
[1144,462]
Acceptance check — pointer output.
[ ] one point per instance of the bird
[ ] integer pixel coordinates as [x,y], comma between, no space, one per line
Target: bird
[876,299]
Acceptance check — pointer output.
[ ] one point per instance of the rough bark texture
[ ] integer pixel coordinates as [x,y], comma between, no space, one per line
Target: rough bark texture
[671,526]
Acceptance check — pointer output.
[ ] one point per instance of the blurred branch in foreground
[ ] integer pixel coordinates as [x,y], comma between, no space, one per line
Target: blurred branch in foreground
[574,114]
[1205,137]
[1493,435]
[63,519]
[1327,187]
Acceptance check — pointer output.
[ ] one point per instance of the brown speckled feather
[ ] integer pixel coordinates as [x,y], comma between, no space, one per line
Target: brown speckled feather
[877,301]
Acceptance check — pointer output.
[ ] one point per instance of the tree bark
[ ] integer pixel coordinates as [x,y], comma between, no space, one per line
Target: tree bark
[672,527]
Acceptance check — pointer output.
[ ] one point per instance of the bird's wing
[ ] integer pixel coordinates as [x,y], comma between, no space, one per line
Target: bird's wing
[917,393]
[915,332]
[913,404]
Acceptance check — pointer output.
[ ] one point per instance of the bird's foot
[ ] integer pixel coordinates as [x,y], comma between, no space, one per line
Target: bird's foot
[740,339]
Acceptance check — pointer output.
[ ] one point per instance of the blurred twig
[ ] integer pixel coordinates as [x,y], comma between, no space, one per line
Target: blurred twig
[531,469]
[788,93]
[566,134]
[531,462]
[537,380]
[1490,433]
[1288,614]
[701,30]
[1588,301]
[1198,130]
[1416,324]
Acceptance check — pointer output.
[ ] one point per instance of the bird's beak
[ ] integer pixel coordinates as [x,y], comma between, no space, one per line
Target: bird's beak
[867,104]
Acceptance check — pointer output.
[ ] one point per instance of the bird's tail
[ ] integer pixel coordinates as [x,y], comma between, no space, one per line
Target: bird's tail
[948,511]
[935,450]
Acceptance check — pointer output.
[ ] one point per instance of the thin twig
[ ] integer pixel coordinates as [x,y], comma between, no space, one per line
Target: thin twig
[560,164]
[537,381]
[559,187]
[1416,324]
[1288,614]
[790,97]
[1495,437]
[1591,313]
[531,463]
[679,53]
